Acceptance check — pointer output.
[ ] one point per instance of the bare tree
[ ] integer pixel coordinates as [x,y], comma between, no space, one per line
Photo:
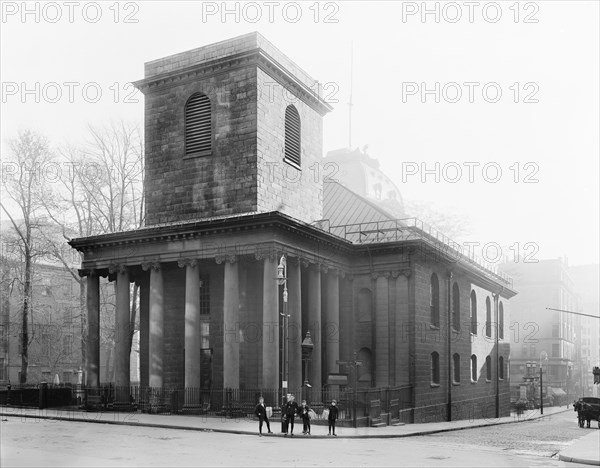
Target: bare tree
[100,192]
[22,181]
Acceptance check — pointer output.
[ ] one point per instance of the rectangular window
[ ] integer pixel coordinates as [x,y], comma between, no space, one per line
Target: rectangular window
[2,369]
[555,350]
[204,295]
[68,345]
[435,368]
[555,330]
[66,377]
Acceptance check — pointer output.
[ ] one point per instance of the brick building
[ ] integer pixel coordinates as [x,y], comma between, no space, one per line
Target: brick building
[54,328]
[233,137]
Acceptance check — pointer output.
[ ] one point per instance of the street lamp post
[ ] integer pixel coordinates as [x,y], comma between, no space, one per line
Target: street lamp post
[354,365]
[282,280]
[307,348]
[543,353]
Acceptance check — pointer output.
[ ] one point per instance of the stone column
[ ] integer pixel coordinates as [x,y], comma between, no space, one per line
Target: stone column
[192,325]
[144,329]
[123,330]
[332,328]
[294,284]
[382,330]
[156,304]
[92,365]
[270,338]
[402,349]
[314,326]
[231,319]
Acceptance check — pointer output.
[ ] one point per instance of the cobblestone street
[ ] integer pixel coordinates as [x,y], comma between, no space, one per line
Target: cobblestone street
[543,437]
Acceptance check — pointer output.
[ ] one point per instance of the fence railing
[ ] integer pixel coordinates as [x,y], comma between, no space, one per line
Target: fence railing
[234,402]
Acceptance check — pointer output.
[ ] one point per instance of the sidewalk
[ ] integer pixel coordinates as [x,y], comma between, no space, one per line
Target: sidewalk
[250,426]
[585,450]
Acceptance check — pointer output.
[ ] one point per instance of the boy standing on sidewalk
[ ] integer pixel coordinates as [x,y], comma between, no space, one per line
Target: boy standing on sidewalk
[291,409]
[261,412]
[333,415]
[305,415]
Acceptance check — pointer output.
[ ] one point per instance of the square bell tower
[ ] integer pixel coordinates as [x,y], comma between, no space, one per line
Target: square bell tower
[230,128]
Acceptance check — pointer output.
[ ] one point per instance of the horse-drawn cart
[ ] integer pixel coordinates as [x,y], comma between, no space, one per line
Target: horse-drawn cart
[587,408]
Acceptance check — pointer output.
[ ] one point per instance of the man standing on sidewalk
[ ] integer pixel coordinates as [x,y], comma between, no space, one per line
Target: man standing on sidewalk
[261,412]
[291,409]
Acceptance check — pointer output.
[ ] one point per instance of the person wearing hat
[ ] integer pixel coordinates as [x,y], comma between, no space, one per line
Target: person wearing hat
[333,415]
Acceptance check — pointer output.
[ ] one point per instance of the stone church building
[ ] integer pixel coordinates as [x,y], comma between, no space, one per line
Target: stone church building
[234,180]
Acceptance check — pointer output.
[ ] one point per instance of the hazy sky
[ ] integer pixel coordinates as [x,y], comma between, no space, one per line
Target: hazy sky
[544,55]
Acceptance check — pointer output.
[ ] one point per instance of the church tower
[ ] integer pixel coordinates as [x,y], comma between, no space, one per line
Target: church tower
[231,128]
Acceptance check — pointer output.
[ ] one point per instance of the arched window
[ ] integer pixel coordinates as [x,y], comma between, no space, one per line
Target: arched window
[456,367]
[364,305]
[488,317]
[501,321]
[474,368]
[434,300]
[488,368]
[198,125]
[292,135]
[501,368]
[365,372]
[473,313]
[435,368]
[455,307]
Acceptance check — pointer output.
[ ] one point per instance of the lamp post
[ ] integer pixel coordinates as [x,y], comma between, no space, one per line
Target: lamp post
[307,348]
[354,365]
[543,353]
[282,280]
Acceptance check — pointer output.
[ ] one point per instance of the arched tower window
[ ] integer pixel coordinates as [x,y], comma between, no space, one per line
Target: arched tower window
[455,307]
[473,313]
[456,367]
[434,300]
[435,368]
[198,125]
[488,317]
[501,321]
[292,135]
[488,368]
[474,368]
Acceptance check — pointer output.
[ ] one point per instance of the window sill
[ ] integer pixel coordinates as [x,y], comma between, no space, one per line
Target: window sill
[292,163]
[455,383]
[199,154]
[434,385]
[487,381]
[473,381]
[434,327]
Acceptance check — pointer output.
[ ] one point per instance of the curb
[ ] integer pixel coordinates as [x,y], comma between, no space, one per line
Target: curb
[254,433]
[583,461]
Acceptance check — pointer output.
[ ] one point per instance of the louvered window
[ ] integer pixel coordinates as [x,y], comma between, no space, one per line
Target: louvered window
[198,128]
[292,135]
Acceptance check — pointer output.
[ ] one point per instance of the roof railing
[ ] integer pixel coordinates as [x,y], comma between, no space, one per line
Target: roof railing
[406,229]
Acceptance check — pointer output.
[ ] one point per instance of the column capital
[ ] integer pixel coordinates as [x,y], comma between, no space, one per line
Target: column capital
[334,272]
[382,274]
[118,268]
[262,254]
[229,258]
[91,272]
[405,272]
[183,262]
[154,265]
